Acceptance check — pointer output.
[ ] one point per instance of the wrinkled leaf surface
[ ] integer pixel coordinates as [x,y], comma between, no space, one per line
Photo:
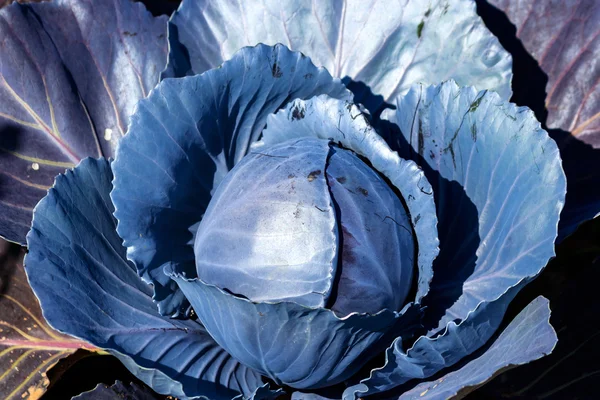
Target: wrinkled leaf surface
[528,337]
[182,142]
[77,267]
[499,189]
[387,47]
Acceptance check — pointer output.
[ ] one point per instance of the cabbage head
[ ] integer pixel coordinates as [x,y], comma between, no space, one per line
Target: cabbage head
[268,229]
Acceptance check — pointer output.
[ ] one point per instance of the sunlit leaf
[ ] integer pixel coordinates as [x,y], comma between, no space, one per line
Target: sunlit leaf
[528,337]
[498,185]
[497,230]
[569,281]
[385,47]
[195,130]
[28,346]
[564,38]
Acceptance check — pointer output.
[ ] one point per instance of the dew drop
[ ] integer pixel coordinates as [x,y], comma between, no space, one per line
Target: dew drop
[35,166]
[108,134]
[490,57]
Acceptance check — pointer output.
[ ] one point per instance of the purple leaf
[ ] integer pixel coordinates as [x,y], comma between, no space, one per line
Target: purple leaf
[564,38]
[29,347]
[71,73]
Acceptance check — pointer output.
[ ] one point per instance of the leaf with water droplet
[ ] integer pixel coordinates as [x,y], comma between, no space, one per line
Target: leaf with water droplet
[71,73]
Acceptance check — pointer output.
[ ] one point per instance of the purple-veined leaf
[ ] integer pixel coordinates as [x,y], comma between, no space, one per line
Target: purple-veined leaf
[28,346]
[71,73]
[564,38]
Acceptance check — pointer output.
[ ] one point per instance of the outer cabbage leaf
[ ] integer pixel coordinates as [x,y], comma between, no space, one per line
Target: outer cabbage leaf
[184,139]
[292,344]
[528,337]
[499,190]
[29,348]
[77,268]
[70,74]
[342,122]
[570,283]
[428,356]
[386,47]
[462,138]
[564,38]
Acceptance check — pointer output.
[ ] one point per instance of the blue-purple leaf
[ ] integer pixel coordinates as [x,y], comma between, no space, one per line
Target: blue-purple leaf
[291,344]
[528,337]
[569,282]
[429,356]
[77,268]
[377,246]
[270,232]
[343,122]
[499,190]
[184,139]
[496,175]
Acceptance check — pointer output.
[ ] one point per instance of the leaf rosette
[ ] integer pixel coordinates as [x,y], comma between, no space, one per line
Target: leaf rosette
[308,235]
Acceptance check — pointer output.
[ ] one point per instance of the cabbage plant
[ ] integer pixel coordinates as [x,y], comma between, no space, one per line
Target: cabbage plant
[339,216]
